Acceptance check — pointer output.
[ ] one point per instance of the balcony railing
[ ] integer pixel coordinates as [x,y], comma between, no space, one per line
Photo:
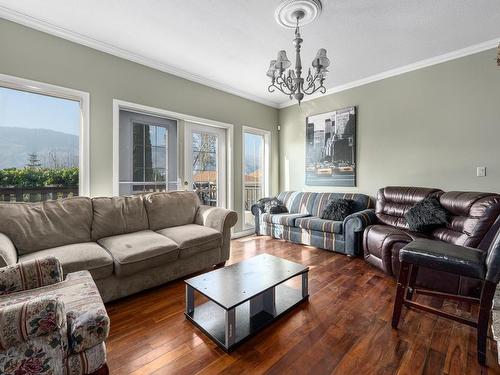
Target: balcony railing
[252,193]
[37,194]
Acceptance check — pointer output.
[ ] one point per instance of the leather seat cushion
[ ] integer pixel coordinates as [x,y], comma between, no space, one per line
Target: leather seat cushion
[282,219]
[318,224]
[442,256]
[79,256]
[193,238]
[134,252]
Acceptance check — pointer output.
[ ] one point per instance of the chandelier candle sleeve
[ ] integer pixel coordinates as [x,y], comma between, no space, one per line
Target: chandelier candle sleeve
[289,81]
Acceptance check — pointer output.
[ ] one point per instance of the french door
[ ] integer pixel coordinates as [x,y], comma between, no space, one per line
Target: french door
[205,163]
[147,153]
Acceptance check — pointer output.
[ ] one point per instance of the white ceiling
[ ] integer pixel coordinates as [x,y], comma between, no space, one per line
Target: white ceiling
[228,43]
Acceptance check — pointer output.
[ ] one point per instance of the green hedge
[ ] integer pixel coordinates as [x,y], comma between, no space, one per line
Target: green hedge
[38,177]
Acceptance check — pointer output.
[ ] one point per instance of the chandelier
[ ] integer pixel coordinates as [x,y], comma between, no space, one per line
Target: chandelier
[498,55]
[285,79]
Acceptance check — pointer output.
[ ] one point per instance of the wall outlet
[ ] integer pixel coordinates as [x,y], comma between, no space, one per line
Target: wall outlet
[481,171]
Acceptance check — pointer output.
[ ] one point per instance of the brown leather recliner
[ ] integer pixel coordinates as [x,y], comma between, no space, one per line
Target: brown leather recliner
[474,220]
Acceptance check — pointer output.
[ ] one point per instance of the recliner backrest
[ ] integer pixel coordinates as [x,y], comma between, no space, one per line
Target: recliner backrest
[393,202]
[472,216]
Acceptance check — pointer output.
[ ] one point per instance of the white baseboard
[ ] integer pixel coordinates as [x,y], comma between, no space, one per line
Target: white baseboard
[243,233]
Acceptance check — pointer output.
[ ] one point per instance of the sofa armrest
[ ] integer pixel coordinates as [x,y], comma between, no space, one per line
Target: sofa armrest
[358,221]
[354,225]
[8,253]
[216,217]
[256,209]
[220,219]
[31,274]
[38,317]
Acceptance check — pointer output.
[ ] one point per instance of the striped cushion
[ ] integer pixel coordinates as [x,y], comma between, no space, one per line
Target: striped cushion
[282,219]
[315,223]
[298,202]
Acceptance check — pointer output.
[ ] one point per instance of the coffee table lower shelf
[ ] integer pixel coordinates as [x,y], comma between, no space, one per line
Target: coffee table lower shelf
[211,318]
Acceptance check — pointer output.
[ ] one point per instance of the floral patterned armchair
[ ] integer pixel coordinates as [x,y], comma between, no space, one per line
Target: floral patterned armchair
[49,325]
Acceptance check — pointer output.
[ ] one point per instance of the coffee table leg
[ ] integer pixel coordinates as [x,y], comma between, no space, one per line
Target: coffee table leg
[230,327]
[305,284]
[264,302]
[189,300]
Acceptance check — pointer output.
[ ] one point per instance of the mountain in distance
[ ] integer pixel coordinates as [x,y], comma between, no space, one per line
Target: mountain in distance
[53,148]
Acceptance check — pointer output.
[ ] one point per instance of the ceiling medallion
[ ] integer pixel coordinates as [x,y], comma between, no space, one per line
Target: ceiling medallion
[293,14]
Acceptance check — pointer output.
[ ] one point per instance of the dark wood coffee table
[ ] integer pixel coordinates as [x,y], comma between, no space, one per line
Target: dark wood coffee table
[244,297]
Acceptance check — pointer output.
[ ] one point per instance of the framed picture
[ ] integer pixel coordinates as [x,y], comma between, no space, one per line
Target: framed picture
[331,148]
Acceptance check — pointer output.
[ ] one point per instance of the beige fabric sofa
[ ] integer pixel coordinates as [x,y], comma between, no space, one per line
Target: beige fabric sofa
[128,244]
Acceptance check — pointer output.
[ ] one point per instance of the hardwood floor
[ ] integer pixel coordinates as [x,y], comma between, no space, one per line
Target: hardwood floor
[345,328]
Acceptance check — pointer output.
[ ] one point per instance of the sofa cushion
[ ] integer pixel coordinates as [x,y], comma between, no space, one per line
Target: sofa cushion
[282,219]
[360,201]
[80,256]
[193,238]
[118,215]
[38,226]
[134,252]
[171,209]
[190,235]
[298,202]
[322,225]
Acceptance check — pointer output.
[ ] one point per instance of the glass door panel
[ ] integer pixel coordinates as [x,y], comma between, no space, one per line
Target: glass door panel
[205,163]
[254,184]
[148,154]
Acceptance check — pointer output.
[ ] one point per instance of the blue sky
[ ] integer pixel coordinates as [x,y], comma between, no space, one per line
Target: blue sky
[28,110]
[253,150]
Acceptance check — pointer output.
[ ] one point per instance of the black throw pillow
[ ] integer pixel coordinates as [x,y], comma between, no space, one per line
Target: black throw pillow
[427,215]
[262,201]
[338,209]
[274,206]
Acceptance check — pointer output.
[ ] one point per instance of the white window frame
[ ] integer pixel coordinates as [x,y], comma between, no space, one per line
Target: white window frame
[47,89]
[119,105]
[267,155]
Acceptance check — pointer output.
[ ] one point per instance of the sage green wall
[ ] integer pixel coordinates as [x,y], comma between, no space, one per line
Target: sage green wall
[34,55]
[430,127]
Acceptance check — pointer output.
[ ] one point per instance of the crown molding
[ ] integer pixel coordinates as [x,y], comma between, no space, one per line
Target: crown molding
[476,48]
[47,27]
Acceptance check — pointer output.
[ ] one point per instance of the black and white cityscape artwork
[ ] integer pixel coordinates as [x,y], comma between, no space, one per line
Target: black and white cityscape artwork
[331,148]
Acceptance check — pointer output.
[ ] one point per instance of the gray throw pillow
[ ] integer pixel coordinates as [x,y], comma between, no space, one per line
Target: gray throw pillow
[427,215]
[338,209]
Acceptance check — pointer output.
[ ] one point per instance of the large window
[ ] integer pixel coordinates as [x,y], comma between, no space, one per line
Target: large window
[148,154]
[39,146]
[256,170]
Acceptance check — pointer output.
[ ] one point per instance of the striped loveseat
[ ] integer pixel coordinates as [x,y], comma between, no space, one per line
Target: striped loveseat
[302,223]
